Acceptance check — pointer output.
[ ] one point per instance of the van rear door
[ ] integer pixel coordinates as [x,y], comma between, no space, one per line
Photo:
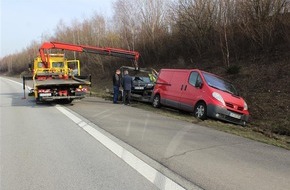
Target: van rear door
[191,92]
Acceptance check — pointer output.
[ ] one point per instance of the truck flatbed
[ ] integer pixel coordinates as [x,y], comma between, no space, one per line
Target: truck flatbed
[60,82]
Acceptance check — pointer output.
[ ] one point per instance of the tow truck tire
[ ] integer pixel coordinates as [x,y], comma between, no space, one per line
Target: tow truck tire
[68,101]
[37,101]
[64,101]
[156,101]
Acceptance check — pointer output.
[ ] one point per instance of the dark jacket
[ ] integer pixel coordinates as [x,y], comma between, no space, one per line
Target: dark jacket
[127,82]
[116,80]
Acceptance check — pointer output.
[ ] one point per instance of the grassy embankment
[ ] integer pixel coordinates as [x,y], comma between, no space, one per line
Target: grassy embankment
[265,86]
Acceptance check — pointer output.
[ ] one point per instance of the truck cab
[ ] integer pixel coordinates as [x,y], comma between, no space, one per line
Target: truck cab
[58,65]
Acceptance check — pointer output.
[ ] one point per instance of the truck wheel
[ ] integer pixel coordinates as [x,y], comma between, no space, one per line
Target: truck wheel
[200,111]
[156,101]
[67,101]
[37,101]
[64,101]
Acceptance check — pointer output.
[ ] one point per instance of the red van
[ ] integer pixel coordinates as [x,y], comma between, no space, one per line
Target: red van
[200,92]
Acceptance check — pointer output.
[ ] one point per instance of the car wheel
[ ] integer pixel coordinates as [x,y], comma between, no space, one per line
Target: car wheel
[156,101]
[200,111]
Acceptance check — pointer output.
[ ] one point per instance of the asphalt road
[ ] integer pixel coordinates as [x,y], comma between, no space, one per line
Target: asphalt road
[210,159]
[43,149]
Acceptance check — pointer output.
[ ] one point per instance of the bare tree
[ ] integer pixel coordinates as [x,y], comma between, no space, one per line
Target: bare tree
[153,17]
[225,12]
[196,19]
[127,22]
[259,19]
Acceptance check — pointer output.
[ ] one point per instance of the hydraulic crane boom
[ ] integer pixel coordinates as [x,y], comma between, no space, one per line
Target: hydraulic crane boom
[132,55]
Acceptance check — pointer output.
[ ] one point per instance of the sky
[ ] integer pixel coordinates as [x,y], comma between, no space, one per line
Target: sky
[25,21]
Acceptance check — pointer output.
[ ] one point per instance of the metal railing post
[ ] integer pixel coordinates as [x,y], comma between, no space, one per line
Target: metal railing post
[24,95]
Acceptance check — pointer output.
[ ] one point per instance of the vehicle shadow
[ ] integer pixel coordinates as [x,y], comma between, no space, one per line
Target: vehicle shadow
[18,100]
[98,100]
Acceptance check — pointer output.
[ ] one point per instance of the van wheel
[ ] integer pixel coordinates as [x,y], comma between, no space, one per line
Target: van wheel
[156,101]
[200,111]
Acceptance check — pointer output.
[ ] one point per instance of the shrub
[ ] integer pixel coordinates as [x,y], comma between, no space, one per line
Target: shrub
[233,70]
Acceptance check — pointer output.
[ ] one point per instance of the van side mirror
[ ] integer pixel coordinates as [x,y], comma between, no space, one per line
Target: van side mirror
[199,84]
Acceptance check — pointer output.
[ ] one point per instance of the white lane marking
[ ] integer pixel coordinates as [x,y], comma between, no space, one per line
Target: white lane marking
[74,118]
[151,174]
[28,87]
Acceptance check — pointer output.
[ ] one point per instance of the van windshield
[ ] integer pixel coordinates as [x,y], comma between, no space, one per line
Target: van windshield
[220,84]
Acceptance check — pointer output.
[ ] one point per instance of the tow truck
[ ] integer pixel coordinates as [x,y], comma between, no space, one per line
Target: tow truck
[57,79]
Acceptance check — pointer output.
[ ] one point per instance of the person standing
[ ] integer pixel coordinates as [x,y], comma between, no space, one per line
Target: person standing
[127,84]
[116,86]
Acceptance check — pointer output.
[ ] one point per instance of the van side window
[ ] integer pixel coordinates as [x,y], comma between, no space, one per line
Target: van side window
[194,76]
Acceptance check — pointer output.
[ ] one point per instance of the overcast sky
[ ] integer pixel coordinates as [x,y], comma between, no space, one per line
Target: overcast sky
[23,21]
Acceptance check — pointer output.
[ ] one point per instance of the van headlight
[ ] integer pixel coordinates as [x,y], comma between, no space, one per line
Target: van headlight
[218,97]
[245,106]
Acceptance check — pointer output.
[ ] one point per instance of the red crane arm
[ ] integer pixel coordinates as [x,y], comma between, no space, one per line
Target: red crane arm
[132,55]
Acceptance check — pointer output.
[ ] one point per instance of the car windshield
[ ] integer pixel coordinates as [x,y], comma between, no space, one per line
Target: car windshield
[146,79]
[220,84]
[143,79]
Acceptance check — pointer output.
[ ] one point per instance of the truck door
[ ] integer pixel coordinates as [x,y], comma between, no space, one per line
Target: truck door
[191,92]
[74,67]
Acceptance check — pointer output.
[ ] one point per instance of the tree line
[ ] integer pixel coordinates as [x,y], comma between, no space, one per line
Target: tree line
[164,31]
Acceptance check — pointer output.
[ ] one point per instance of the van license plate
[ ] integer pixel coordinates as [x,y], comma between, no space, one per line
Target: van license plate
[139,88]
[234,115]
